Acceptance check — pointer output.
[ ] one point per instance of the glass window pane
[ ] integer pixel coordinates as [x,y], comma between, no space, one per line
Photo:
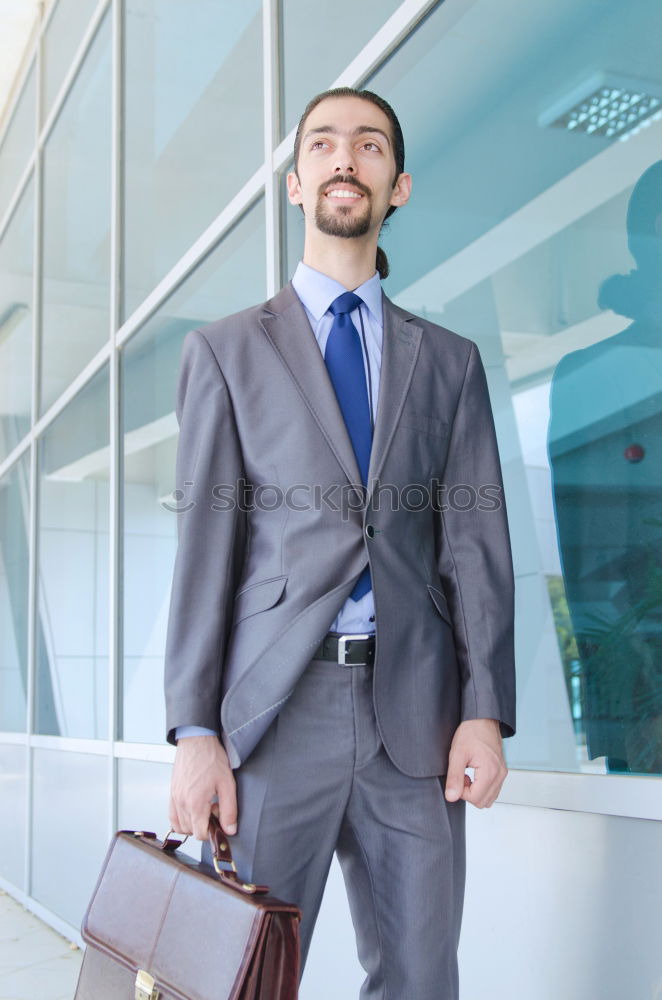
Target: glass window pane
[14,542]
[293,234]
[540,240]
[64,34]
[194,132]
[13,779]
[143,793]
[317,47]
[16,285]
[76,240]
[19,142]
[231,278]
[69,829]
[72,624]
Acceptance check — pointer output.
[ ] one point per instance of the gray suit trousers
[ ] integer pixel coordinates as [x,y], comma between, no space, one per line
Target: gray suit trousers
[320,781]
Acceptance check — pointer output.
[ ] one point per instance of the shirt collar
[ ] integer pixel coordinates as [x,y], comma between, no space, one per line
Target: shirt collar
[317,291]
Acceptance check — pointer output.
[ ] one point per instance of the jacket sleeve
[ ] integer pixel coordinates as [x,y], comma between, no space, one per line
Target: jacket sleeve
[474,558]
[211,543]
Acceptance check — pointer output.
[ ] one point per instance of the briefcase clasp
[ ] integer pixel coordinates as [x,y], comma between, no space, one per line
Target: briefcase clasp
[145,988]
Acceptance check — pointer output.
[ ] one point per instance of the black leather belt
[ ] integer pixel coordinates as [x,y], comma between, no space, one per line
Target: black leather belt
[355,649]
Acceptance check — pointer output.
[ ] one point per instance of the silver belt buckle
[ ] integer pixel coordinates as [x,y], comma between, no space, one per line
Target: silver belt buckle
[342,647]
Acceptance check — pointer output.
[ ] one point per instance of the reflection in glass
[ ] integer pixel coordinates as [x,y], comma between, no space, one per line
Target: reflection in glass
[193,126]
[64,34]
[606,457]
[512,227]
[72,575]
[76,241]
[14,540]
[16,284]
[19,141]
[231,278]
[316,49]
[69,829]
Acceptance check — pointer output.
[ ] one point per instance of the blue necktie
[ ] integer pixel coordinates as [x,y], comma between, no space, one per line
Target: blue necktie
[344,360]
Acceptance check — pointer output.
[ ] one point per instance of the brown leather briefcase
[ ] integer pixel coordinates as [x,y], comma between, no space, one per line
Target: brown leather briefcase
[162,926]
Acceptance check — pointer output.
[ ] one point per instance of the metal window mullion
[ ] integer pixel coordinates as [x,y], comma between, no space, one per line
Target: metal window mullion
[227,218]
[11,107]
[48,16]
[74,68]
[62,401]
[43,133]
[16,739]
[37,296]
[271,105]
[613,166]
[18,194]
[197,252]
[115,424]
[73,744]
[31,685]
[16,452]
[33,504]
[385,41]
[31,47]
[152,753]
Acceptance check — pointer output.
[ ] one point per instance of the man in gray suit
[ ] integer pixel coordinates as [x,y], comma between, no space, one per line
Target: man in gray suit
[340,640]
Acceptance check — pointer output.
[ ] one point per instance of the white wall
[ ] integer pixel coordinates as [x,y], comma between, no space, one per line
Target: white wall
[559,905]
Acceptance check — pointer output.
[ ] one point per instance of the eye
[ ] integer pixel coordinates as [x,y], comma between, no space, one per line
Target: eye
[371,143]
[317,142]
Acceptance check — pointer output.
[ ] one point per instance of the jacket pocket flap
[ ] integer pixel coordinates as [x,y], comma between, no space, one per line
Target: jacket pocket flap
[440,603]
[258,597]
[425,422]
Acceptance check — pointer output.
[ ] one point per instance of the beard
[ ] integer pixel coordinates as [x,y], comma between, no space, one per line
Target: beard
[342,221]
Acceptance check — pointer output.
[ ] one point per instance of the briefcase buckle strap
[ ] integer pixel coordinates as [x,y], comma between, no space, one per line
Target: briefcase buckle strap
[145,988]
[222,855]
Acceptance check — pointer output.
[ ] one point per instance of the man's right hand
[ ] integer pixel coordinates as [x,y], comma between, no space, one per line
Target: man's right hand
[201,773]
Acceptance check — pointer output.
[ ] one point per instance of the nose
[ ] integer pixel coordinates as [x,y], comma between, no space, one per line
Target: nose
[345,161]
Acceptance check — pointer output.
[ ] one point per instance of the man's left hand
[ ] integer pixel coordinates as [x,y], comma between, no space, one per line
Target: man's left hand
[477,744]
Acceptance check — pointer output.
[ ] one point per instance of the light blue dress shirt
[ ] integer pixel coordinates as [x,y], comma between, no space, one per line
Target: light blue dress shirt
[317,291]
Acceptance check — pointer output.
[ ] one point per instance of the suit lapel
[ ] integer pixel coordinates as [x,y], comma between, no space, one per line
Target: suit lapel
[286,325]
[400,346]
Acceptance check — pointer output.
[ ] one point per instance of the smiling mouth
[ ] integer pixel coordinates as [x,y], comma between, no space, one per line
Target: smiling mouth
[343,195]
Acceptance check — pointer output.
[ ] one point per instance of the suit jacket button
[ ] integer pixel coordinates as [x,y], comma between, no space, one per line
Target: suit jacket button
[370,531]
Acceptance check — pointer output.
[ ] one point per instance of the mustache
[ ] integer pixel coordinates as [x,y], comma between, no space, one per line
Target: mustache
[344,180]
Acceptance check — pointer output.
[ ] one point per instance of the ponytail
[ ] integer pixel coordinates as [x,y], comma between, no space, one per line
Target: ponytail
[381,263]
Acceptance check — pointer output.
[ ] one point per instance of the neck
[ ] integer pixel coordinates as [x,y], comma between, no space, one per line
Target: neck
[349,261]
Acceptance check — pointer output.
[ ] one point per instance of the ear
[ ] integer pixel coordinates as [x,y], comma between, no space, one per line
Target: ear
[401,191]
[294,189]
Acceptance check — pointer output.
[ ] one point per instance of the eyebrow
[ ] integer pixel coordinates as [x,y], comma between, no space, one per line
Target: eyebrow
[359,130]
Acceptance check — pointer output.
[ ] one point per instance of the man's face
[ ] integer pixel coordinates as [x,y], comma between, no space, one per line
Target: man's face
[346,168]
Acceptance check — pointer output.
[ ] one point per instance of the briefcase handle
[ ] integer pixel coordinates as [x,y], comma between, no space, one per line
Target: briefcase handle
[221,855]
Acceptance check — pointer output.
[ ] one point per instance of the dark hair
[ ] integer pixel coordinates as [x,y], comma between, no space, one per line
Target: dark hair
[396,136]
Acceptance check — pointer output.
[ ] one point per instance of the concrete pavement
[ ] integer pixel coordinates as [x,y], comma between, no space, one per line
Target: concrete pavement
[36,963]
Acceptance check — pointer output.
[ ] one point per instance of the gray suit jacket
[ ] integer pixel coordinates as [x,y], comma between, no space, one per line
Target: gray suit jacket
[255,590]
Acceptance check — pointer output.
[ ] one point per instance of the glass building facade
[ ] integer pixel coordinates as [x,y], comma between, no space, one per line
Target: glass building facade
[142,194]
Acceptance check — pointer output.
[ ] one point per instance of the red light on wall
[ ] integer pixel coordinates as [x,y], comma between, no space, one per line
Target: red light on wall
[634,453]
